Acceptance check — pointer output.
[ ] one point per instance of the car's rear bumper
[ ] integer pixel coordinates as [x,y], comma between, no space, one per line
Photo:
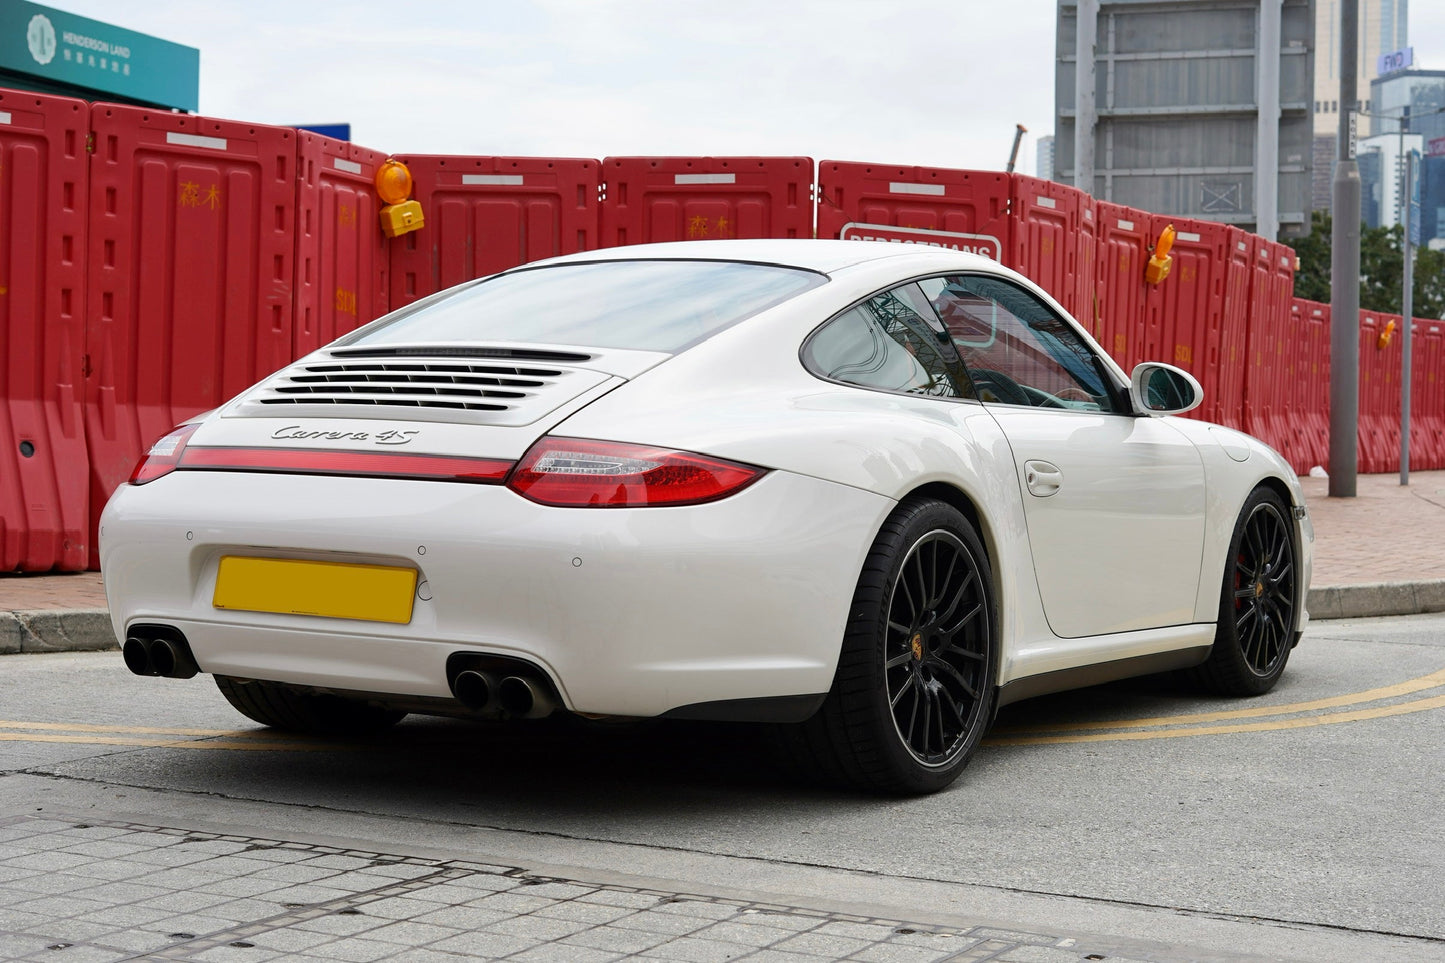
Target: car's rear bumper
[629,611]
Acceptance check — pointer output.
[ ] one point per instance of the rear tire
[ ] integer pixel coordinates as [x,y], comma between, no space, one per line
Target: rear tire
[914,691]
[1258,602]
[282,707]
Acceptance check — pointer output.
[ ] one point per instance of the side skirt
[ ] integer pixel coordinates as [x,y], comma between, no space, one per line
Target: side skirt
[1087,675]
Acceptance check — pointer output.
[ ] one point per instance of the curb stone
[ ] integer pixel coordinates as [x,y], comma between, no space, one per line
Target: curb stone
[56,630]
[89,630]
[1376,599]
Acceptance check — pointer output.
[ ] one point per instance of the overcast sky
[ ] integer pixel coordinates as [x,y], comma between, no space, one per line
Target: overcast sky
[928,82]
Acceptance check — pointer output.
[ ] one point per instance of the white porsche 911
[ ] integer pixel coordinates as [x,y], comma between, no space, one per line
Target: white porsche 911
[868,491]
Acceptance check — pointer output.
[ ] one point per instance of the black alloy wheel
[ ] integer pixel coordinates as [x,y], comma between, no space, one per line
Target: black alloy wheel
[935,647]
[1258,606]
[915,686]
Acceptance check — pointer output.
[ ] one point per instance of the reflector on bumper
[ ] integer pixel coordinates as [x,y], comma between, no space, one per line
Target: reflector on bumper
[338,590]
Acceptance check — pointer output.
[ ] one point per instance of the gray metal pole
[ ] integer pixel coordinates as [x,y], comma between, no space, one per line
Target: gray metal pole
[1085,97]
[1408,312]
[1345,273]
[1266,138]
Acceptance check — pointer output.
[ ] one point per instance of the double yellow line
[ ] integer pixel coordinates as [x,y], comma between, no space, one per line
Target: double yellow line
[1301,715]
[151,737]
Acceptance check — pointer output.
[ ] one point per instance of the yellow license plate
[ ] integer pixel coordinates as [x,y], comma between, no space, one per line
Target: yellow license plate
[376,593]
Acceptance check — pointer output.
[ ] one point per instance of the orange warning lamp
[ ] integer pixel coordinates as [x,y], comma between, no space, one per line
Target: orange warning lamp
[1383,341]
[1160,262]
[393,186]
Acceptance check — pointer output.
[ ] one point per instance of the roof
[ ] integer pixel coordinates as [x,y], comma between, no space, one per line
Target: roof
[826,256]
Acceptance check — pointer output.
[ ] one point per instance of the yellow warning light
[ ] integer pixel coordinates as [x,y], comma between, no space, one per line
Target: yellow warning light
[1160,262]
[393,182]
[1383,341]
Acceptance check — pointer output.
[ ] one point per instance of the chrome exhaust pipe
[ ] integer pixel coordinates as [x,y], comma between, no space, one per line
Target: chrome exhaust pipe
[137,656]
[475,690]
[523,698]
[172,659]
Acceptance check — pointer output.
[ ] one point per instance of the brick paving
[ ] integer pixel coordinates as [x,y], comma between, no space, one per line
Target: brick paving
[107,891]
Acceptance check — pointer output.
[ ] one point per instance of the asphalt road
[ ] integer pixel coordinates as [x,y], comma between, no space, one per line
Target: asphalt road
[1137,817]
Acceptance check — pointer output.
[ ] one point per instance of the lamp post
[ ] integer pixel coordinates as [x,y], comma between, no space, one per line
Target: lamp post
[1407,306]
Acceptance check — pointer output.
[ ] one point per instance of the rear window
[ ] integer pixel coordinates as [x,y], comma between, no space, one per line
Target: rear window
[644,305]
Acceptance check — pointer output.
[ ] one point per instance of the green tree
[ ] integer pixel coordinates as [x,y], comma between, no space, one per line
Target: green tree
[1382,263]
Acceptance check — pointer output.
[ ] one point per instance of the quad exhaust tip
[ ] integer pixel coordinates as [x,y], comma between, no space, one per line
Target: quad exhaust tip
[158,651]
[501,686]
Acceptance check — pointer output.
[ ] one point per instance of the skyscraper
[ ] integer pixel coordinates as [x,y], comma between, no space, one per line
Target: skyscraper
[1383,29]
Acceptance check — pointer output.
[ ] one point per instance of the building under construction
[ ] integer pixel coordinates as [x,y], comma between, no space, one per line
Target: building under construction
[1197,108]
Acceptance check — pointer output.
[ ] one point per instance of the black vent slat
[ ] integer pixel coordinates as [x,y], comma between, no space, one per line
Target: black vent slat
[389,378]
[388,402]
[393,390]
[464,351]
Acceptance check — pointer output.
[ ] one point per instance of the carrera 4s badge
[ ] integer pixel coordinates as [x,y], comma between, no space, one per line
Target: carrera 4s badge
[391,436]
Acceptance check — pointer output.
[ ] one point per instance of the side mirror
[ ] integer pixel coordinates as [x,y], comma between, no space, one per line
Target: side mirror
[1162,389]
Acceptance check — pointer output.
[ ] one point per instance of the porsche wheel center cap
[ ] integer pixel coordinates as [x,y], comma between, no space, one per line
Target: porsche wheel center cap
[1258,589]
[916,644]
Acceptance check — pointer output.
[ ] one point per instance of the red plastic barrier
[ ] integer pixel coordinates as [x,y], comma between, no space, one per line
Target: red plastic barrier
[1234,346]
[192,236]
[44,514]
[1085,302]
[1379,449]
[697,198]
[963,210]
[1048,220]
[341,253]
[1266,379]
[1307,403]
[1427,395]
[1190,319]
[487,214]
[1123,251]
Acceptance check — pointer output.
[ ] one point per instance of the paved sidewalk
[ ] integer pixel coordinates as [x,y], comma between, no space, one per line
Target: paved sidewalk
[1379,553]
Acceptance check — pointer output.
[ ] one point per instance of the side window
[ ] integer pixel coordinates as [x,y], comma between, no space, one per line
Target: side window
[893,341]
[1016,349]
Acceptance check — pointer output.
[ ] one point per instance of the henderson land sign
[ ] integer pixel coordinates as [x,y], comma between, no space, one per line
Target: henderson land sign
[97,57]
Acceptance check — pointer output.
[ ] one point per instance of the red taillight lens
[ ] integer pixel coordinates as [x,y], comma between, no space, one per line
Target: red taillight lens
[163,457]
[376,464]
[577,473]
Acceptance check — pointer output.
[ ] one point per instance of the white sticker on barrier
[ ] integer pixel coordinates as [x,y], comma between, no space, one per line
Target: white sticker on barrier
[1126,225]
[4,117]
[351,167]
[681,179]
[196,140]
[1046,202]
[904,187]
[493,180]
[1187,236]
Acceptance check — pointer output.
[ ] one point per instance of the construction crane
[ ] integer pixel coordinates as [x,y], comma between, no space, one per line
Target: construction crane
[1013,155]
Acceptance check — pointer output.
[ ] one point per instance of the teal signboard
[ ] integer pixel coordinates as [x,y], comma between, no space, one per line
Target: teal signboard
[64,48]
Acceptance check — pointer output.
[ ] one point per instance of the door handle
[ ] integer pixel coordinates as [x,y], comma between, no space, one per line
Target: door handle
[1042,478]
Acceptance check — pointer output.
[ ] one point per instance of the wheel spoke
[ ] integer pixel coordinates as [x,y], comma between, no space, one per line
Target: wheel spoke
[898,660]
[968,617]
[913,609]
[938,717]
[933,577]
[957,676]
[943,585]
[923,589]
[947,614]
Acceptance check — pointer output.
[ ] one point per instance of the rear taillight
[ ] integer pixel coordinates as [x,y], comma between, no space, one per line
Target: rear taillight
[578,473]
[163,457]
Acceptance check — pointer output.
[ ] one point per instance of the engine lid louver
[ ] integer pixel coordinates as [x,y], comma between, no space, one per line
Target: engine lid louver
[508,386]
